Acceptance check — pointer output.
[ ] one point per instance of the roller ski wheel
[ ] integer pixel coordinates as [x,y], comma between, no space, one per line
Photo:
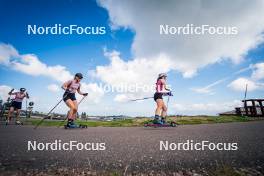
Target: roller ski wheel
[173,124]
[19,123]
[82,126]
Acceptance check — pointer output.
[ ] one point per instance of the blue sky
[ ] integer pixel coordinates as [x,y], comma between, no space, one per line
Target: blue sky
[126,33]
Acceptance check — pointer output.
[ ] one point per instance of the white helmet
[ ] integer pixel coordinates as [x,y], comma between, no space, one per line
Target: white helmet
[162,75]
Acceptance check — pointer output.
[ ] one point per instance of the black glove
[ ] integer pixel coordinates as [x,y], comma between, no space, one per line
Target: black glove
[11,91]
[169,94]
[67,91]
[85,94]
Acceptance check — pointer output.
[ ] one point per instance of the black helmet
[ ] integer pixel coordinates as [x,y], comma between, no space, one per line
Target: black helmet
[162,75]
[22,89]
[79,75]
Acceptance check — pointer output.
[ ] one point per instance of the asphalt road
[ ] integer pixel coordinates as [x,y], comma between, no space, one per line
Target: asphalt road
[134,148]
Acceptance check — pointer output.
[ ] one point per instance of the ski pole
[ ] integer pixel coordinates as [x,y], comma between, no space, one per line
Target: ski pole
[40,122]
[67,114]
[141,99]
[10,94]
[26,109]
[7,102]
[168,104]
[81,100]
[27,97]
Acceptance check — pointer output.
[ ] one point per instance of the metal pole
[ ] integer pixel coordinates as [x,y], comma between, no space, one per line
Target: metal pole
[50,111]
[245,96]
[141,98]
[245,92]
[26,108]
[47,114]
[168,104]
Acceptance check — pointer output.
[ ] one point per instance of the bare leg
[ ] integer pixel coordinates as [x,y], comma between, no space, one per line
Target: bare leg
[164,110]
[18,114]
[159,107]
[11,110]
[73,110]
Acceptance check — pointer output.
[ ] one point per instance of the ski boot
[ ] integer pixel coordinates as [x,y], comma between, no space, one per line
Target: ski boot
[71,124]
[160,122]
[163,120]
[157,120]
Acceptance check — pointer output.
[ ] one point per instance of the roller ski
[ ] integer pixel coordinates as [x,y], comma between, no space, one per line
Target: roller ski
[160,122]
[7,122]
[18,122]
[72,125]
[75,127]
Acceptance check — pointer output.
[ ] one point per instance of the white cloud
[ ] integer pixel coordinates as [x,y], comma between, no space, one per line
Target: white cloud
[4,90]
[253,82]
[53,88]
[240,85]
[121,98]
[206,108]
[126,97]
[6,53]
[208,89]
[187,53]
[131,72]
[30,64]
[142,72]
[95,92]
[258,72]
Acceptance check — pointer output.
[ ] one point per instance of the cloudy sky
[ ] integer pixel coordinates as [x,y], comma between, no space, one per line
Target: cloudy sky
[207,73]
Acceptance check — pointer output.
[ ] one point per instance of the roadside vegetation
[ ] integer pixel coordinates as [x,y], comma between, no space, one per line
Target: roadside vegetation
[181,120]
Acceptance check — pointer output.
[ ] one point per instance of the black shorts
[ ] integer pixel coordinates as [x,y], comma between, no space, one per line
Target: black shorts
[158,96]
[16,105]
[67,96]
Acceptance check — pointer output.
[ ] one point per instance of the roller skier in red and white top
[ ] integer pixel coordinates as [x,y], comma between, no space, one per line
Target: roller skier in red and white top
[161,90]
[71,87]
[16,104]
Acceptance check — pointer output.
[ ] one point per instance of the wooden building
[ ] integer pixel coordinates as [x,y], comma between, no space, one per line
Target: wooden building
[252,108]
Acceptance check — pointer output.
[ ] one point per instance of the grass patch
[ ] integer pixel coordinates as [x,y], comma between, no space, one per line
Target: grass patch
[184,120]
[90,123]
[211,119]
